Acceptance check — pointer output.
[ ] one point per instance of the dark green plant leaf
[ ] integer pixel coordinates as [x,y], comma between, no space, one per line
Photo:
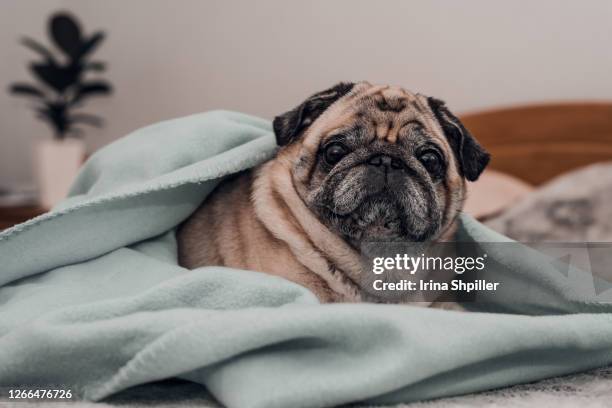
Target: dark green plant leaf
[87,119]
[39,48]
[66,33]
[56,114]
[95,66]
[57,77]
[26,90]
[93,88]
[91,44]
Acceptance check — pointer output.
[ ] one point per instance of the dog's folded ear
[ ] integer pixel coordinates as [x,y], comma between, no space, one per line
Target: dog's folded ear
[289,125]
[473,158]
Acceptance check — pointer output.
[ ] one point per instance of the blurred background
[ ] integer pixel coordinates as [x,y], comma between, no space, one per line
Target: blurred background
[166,59]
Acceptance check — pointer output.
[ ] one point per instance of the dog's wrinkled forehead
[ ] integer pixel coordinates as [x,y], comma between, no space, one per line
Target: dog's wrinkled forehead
[387,109]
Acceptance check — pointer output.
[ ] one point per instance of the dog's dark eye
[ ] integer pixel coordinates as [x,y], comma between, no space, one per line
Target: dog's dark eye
[335,152]
[432,161]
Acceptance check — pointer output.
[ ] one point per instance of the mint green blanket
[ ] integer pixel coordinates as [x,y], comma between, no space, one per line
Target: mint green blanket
[93,299]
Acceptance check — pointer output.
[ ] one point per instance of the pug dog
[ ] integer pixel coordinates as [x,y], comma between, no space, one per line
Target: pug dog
[356,163]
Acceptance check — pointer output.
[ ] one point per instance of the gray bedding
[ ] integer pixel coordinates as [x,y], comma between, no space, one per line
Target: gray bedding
[576,207]
[587,390]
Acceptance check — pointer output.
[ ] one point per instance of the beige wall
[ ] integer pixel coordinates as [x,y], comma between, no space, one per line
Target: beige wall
[172,58]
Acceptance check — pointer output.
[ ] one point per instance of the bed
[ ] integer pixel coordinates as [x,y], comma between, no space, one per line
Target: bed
[550,179]
[534,149]
[531,147]
[538,142]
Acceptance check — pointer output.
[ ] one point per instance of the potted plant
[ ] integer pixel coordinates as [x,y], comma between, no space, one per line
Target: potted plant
[61,91]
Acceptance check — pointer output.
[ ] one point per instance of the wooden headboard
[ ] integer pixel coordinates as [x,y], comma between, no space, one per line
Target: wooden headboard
[538,142]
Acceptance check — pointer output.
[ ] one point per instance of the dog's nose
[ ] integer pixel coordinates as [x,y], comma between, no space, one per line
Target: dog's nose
[389,162]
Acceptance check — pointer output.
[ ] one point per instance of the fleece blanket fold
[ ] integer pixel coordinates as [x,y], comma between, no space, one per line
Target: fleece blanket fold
[92,298]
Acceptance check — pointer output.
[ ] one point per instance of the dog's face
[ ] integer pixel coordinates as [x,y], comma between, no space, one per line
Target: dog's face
[379,163]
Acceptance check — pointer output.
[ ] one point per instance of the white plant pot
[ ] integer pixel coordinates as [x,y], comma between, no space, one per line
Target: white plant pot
[57,163]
